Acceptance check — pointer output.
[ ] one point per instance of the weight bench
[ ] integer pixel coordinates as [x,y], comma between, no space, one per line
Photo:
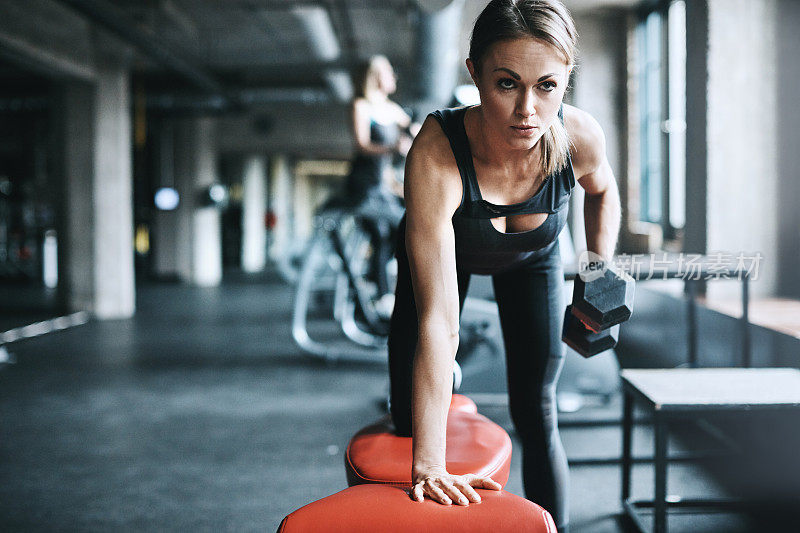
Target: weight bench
[686,393]
[475,445]
[378,465]
[388,509]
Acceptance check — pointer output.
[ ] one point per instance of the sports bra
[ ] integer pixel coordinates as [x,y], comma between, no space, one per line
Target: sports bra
[480,247]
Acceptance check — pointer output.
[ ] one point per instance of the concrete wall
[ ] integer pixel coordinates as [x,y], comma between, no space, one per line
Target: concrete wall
[313,131]
[741,137]
[599,88]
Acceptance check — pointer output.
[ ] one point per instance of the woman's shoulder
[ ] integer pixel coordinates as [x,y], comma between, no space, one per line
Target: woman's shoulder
[432,147]
[587,140]
[431,163]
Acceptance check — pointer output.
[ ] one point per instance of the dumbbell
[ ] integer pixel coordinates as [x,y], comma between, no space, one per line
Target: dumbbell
[602,299]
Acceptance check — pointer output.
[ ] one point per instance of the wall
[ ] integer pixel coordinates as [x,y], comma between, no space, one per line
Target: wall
[741,136]
[315,131]
[599,88]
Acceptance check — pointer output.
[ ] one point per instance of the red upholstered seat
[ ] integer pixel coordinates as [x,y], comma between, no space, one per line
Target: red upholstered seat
[475,445]
[459,402]
[370,508]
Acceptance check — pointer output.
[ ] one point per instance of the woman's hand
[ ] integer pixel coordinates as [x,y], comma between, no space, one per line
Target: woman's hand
[447,488]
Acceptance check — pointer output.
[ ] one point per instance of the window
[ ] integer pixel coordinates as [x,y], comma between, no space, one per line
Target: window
[661,39]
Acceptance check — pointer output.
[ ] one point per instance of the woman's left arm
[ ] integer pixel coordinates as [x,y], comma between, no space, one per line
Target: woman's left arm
[601,208]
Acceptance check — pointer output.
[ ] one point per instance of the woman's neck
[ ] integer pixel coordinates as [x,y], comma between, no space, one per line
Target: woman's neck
[492,150]
[377,97]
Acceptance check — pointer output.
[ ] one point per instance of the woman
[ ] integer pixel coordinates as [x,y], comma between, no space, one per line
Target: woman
[381,129]
[487,190]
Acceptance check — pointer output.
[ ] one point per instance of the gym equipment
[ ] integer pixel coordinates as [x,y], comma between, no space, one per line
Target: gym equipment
[583,381]
[335,264]
[475,445]
[585,341]
[604,301]
[378,467]
[374,507]
[461,403]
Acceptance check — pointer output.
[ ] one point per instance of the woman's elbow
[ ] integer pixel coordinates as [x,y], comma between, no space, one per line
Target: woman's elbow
[440,337]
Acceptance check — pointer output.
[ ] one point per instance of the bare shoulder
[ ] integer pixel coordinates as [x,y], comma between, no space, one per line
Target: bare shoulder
[431,170]
[588,140]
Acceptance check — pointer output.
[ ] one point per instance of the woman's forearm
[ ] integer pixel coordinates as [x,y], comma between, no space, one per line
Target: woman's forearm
[432,383]
[601,214]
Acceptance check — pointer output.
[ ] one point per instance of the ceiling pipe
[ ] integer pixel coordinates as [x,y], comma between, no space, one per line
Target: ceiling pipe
[318,29]
[168,102]
[182,103]
[317,26]
[114,20]
[436,66]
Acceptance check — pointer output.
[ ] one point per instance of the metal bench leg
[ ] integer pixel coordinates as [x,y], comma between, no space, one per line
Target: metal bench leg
[660,504]
[627,454]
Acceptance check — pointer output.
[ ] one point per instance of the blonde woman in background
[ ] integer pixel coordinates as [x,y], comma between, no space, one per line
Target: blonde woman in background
[381,129]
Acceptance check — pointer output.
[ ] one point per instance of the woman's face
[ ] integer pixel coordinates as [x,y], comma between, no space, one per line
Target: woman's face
[521,83]
[387,82]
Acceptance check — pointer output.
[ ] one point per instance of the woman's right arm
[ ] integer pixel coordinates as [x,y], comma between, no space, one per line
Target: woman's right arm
[433,192]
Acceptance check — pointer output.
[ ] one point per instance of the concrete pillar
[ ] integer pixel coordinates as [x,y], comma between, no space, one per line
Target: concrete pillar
[788,40]
[199,245]
[695,228]
[76,257]
[280,203]
[303,208]
[115,295]
[743,158]
[254,207]
[436,66]
[98,262]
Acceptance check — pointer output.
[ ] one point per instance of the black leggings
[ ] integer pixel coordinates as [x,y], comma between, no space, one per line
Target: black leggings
[529,299]
[380,236]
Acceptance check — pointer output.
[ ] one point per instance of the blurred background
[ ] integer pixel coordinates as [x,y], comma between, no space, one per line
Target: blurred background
[163,164]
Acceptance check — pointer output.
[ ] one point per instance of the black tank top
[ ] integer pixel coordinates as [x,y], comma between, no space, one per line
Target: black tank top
[367,169]
[480,247]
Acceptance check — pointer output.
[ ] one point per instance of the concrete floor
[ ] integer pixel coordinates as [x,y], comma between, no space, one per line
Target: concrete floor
[200,414]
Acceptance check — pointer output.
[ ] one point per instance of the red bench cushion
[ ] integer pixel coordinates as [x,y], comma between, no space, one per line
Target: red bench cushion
[475,445]
[459,402]
[388,509]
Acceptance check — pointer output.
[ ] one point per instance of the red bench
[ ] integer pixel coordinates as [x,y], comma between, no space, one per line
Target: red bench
[388,509]
[378,465]
[475,445]
[462,403]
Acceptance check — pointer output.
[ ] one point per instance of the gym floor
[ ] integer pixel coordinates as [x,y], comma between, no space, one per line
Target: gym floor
[201,414]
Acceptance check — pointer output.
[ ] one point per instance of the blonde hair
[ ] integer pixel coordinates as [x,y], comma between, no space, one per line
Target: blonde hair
[546,20]
[366,78]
